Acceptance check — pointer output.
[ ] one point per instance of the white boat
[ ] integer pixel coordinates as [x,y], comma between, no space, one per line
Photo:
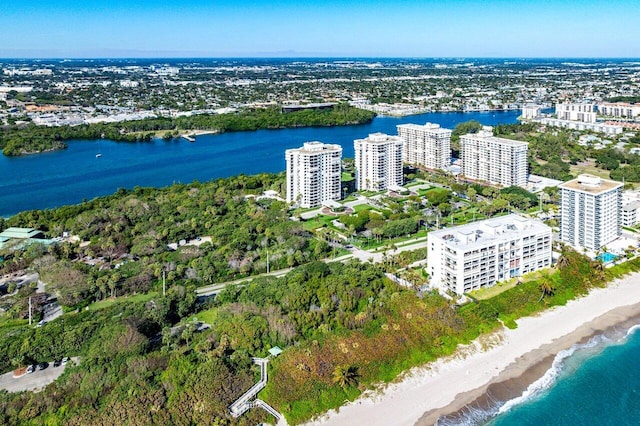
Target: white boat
[98,155]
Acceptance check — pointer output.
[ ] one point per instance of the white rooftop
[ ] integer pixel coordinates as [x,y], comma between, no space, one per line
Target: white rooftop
[431,127]
[487,134]
[379,137]
[490,231]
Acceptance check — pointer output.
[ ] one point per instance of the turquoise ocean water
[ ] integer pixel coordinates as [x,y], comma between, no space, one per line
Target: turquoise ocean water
[595,383]
[598,383]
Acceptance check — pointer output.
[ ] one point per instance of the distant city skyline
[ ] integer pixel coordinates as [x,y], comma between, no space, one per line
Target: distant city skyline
[286,28]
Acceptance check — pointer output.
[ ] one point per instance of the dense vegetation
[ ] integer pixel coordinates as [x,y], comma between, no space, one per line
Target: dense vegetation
[17,140]
[127,237]
[344,327]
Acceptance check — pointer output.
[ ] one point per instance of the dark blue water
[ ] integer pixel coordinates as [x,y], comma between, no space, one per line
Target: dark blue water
[67,177]
[598,384]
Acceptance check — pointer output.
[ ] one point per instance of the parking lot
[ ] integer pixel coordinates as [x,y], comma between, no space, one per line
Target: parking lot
[33,381]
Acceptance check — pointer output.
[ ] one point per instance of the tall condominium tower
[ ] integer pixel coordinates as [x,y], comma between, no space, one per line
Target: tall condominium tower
[313,173]
[590,212]
[378,162]
[495,160]
[428,145]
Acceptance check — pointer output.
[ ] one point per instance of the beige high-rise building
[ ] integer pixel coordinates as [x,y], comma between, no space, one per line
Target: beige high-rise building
[378,161]
[590,212]
[314,174]
[495,160]
[426,145]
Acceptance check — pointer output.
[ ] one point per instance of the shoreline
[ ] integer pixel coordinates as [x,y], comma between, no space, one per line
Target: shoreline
[495,367]
[519,375]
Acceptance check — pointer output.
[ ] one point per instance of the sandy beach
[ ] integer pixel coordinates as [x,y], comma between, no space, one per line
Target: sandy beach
[495,367]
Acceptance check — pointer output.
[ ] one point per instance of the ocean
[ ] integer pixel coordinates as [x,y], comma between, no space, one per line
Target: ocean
[596,383]
[72,175]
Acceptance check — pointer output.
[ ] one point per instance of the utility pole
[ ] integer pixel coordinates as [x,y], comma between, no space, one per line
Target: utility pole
[164,283]
[29,310]
[267,258]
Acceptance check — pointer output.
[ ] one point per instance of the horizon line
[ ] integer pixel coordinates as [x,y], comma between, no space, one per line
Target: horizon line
[457,57]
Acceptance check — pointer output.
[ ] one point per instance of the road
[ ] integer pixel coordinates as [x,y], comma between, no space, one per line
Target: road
[356,253]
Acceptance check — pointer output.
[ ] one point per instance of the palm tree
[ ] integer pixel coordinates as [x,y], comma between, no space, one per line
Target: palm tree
[564,259]
[545,283]
[345,375]
[598,270]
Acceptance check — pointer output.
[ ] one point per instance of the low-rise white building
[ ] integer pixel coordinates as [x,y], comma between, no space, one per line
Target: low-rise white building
[619,109]
[583,112]
[480,254]
[630,214]
[607,129]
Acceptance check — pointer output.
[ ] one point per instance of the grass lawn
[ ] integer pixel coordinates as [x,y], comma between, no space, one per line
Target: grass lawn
[318,222]
[361,207]
[207,316]
[144,297]
[489,292]
[590,168]
[347,177]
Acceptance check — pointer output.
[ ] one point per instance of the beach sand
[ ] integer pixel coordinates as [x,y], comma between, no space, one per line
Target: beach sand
[496,367]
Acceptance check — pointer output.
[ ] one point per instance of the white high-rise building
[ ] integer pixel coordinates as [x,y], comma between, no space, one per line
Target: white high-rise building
[378,162]
[428,145]
[314,174]
[590,212]
[496,160]
[480,254]
[576,112]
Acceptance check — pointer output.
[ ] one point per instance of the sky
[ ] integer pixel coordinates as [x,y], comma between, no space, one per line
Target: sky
[330,28]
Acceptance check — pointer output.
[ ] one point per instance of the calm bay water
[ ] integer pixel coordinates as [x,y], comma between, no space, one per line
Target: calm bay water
[598,384]
[67,177]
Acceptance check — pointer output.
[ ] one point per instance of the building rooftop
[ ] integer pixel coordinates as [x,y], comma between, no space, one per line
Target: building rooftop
[487,134]
[431,127]
[591,184]
[490,231]
[20,233]
[631,206]
[380,138]
[316,147]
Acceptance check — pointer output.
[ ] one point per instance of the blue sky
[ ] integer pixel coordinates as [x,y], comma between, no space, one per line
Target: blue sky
[221,28]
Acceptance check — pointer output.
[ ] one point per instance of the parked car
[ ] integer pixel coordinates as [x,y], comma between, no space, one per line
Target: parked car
[57,363]
[65,360]
[42,365]
[31,369]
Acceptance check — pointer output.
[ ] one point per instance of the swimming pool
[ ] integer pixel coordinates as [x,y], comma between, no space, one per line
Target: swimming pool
[607,257]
